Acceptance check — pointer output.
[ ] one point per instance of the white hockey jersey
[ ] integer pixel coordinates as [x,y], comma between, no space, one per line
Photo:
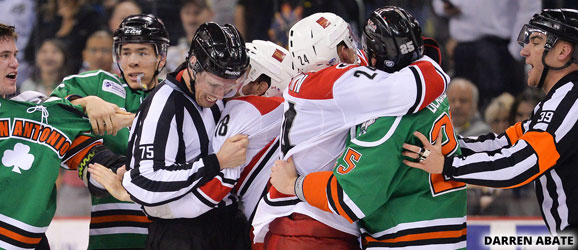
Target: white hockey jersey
[319,110]
[258,117]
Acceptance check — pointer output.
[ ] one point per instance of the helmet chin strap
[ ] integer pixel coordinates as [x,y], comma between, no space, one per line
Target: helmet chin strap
[548,67]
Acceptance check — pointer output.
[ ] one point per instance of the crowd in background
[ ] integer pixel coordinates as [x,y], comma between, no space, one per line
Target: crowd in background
[478,39]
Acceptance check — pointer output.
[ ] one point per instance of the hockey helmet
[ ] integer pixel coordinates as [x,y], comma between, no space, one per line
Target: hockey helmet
[313,41]
[219,50]
[142,28]
[555,24]
[393,37]
[271,60]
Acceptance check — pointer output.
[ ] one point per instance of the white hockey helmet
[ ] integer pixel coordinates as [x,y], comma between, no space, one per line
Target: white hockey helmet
[271,60]
[313,41]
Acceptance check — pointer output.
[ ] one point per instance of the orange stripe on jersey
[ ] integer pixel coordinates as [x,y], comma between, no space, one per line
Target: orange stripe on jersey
[336,200]
[545,147]
[434,82]
[18,237]
[315,191]
[215,189]
[117,218]
[514,132]
[74,161]
[421,236]
[319,85]
[263,104]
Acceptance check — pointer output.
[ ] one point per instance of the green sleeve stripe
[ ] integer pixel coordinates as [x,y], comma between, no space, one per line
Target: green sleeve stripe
[383,139]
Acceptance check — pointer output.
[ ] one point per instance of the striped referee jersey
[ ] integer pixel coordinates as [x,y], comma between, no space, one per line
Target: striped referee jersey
[169,151]
[542,149]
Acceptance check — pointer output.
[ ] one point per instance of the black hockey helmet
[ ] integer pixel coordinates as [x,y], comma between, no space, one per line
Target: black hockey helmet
[142,28]
[219,50]
[393,37]
[555,24]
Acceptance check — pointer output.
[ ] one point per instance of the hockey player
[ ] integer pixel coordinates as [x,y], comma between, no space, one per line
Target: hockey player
[140,49]
[34,140]
[395,206]
[321,107]
[169,152]
[541,149]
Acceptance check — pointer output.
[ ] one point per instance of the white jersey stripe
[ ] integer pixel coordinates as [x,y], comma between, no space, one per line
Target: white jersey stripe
[562,206]
[22,225]
[418,224]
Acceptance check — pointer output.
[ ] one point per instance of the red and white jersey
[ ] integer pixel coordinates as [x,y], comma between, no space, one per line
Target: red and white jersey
[319,110]
[361,58]
[258,117]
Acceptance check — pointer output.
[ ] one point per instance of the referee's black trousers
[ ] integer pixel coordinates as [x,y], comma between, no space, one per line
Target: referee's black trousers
[221,228]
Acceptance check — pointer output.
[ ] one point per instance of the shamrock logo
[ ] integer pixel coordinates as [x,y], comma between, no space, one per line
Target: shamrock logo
[19,157]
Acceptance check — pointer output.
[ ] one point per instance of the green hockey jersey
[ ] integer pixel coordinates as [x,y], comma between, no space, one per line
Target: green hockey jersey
[395,205]
[35,139]
[113,224]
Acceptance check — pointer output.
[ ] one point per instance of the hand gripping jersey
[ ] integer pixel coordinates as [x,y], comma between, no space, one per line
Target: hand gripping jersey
[395,205]
[35,139]
[113,223]
[319,110]
[259,118]
[542,149]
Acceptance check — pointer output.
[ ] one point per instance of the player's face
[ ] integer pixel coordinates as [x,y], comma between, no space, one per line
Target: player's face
[209,88]
[533,51]
[139,60]
[8,66]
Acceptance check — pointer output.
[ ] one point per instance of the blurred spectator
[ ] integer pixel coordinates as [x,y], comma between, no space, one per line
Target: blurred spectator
[167,11]
[486,51]
[71,21]
[524,104]
[272,20]
[463,98]
[98,52]
[193,14]
[120,11]
[21,14]
[52,64]
[225,11]
[497,114]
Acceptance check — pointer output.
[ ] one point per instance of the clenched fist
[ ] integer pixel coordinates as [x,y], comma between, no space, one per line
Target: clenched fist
[233,152]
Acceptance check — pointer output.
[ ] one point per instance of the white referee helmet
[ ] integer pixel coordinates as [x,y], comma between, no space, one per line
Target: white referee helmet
[272,60]
[313,41]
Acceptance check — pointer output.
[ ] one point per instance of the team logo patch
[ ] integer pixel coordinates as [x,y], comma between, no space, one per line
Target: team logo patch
[323,22]
[115,88]
[18,158]
[279,55]
[364,126]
